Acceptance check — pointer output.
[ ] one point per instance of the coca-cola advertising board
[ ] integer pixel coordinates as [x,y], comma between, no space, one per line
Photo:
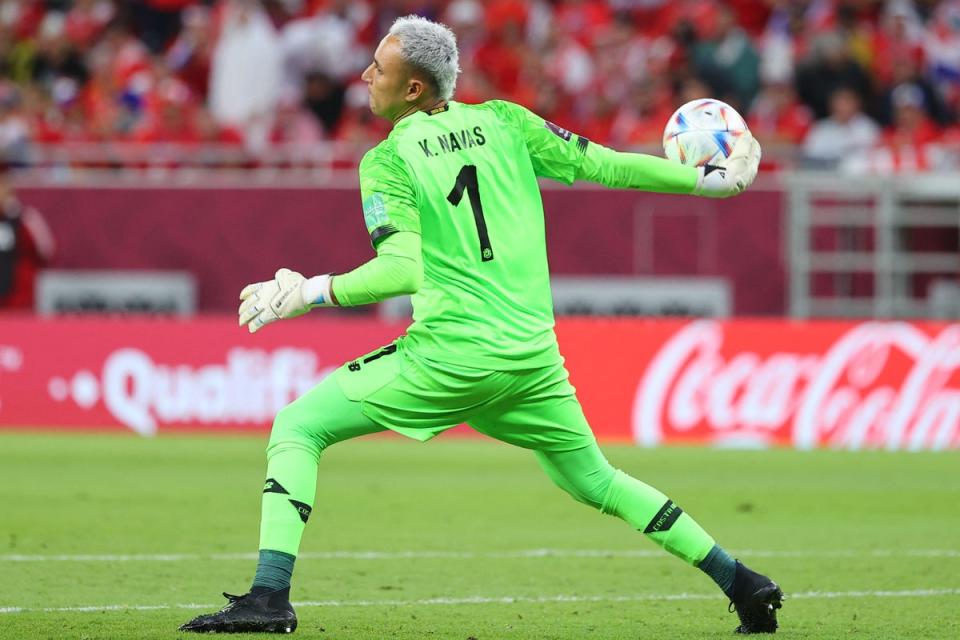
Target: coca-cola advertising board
[889,385]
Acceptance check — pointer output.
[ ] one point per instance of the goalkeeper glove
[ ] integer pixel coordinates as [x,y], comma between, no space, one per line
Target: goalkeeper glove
[733,174]
[288,295]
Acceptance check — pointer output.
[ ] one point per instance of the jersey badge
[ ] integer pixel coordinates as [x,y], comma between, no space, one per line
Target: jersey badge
[558,131]
[374,211]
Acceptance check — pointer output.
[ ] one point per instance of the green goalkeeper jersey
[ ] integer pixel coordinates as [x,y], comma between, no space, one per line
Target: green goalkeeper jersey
[465,178]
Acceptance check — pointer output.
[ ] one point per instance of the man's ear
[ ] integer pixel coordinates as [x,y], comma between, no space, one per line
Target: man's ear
[414,90]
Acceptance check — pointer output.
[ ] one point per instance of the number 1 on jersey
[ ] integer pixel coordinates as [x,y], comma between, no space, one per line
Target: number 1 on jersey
[467,181]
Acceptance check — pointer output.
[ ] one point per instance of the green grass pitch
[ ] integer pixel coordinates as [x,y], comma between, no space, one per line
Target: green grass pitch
[113,536]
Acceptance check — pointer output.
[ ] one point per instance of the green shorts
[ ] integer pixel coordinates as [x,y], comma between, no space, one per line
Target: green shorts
[531,408]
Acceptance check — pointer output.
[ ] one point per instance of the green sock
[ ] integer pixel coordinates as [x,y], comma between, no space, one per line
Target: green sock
[647,510]
[288,496]
[721,567]
[274,570]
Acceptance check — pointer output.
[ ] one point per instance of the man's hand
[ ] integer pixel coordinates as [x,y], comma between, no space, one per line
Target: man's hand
[733,174]
[277,299]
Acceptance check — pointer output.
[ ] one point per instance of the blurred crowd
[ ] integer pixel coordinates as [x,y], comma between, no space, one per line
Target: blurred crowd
[864,84]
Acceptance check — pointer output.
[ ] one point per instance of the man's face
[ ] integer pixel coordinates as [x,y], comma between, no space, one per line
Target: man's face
[390,81]
[844,105]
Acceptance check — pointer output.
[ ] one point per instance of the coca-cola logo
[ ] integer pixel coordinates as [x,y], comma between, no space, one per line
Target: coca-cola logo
[886,385]
[249,387]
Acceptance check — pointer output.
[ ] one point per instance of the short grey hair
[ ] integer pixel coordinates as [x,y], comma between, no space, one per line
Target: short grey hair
[430,47]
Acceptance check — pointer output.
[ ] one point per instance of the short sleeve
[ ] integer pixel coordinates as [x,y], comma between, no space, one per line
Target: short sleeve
[555,152]
[389,199]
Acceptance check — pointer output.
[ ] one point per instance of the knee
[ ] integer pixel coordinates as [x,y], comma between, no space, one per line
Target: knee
[290,432]
[589,488]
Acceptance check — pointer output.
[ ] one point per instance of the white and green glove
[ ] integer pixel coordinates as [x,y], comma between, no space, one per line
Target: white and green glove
[288,295]
[734,173]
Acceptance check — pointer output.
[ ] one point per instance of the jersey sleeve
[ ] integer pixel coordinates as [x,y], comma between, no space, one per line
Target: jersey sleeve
[555,152]
[389,197]
[396,270]
[622,170]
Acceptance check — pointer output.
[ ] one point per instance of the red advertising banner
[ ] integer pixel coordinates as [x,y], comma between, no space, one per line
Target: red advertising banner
[150,375]
[891,385]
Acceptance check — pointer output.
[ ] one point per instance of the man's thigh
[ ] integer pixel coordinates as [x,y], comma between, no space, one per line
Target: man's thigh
[411,396]
[541,413]
[324,415]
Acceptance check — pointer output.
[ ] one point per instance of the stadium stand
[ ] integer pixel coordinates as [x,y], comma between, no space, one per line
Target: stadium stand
[864,85]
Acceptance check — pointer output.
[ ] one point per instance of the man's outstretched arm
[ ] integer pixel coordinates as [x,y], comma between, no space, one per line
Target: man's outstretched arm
[559,154]
[396,270]
[727,177]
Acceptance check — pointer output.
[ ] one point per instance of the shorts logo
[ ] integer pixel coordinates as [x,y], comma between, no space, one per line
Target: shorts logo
[558,131]
[387,350]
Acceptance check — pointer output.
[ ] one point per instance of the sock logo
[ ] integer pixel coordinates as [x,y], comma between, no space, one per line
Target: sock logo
[272,486]
[302,508]
[665,518]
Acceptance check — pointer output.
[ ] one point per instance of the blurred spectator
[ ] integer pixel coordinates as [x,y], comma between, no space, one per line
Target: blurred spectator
[911,125]
[752,15]
[358,124]
[854,22]
[942,52]
[692,88]
[86,20]
[189,55]
[908,144]
[211,133]
[22,18]
[644,114]
[778,117]
[157,21]
[501,57]
[119,54]
[14,127]
[324,98]
[727,60]
[246,71]
[325,43]
[906,71]
[295,126]
[26,245]
[168,114]
[845,134]
[55,63]
[830,67]
[899,39]
[784,42]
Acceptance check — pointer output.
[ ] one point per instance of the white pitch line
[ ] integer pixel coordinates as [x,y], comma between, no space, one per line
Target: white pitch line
[523,553]
[915,593]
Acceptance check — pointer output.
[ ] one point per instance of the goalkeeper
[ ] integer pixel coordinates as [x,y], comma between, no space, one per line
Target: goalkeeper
[453,209]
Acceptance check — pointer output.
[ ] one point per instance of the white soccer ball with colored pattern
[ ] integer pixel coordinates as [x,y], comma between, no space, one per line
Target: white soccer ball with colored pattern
[702,132]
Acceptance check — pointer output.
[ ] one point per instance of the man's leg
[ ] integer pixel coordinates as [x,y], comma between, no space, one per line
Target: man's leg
[586,475]
[545,416]
[301,431]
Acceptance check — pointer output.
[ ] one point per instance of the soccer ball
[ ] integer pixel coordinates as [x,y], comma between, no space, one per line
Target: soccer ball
[702,132]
